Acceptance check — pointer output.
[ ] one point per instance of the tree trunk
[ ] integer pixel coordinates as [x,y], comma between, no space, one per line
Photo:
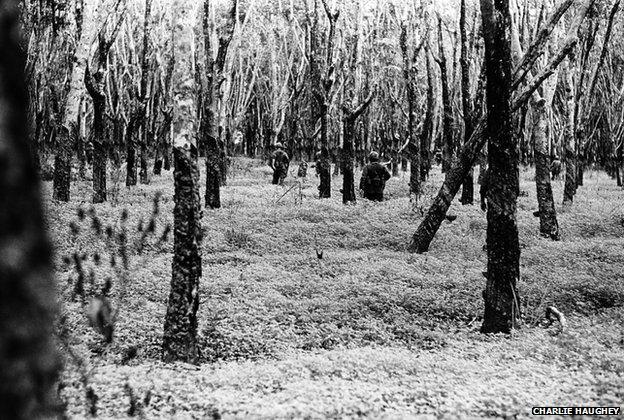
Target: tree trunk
[348,184]
[144,109]
[180,329]
[467,196]
[427,131]
[321,88]
[448,138]
[452,182]
[549,227]
[409,75]
[569,147]
[131,167]
[501,296]
[100,150]
[216,163]
[29,363]
[62,160]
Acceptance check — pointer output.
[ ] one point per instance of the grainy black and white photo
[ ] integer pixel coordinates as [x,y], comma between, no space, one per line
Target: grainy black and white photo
[311,209]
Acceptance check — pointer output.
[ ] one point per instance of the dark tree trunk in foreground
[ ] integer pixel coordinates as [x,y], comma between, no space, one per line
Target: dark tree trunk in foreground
[180,329]
[29,363]
[548,216]
[502,309]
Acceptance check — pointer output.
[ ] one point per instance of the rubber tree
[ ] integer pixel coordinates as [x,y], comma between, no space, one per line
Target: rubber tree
[62,160]
[322,81]
[352,109]
[144,107]
[95,82]
[180,328]
[541,103]
[502,308]
[413,145]
[29,363]
[467,196]
[524,90]
[214,57]
[448,123]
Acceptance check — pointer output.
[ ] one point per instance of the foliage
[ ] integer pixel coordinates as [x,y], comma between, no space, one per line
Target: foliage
[369,329]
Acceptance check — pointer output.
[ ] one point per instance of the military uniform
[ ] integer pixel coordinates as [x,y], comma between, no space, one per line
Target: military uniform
[555,168]
[373,181]
[279,163]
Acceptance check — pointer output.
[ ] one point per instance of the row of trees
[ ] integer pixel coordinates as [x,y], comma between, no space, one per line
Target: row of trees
[404,79]
[332,76]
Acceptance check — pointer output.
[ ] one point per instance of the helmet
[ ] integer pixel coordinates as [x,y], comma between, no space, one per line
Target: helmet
[279,145]
[373,157]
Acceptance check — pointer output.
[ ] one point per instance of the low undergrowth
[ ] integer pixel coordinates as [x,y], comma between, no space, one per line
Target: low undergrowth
[271,307]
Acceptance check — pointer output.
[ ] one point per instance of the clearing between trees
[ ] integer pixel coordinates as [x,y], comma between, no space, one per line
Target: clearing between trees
[368,329]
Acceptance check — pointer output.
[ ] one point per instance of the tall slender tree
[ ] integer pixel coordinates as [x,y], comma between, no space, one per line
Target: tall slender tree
[62,161]
[211,132]
[95,82]
[502,309]
[448,146]
[467,196]
[180,329]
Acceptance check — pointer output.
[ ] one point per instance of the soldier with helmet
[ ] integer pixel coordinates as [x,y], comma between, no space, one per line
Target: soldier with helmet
[279,163]
[374,177]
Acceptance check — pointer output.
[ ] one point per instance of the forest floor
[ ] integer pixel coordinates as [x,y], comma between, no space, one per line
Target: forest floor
[369,329]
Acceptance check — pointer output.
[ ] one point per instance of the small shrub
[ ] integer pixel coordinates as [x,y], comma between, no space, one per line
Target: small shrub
[237,238]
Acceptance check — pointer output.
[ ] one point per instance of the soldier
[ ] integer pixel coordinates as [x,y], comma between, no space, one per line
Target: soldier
[279,163]
[374,177]
[555,167]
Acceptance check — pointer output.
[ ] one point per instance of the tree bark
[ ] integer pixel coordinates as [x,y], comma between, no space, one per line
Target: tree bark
[143,172]
[427,131]
[502,310]
[62,161]
[467,196]
[29,363]
[209,126]
[570,143]
[348,184]
[321,89]
[409,73]
[549,227]
[427,229]
[131,167]
[448,123]
[180,328]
